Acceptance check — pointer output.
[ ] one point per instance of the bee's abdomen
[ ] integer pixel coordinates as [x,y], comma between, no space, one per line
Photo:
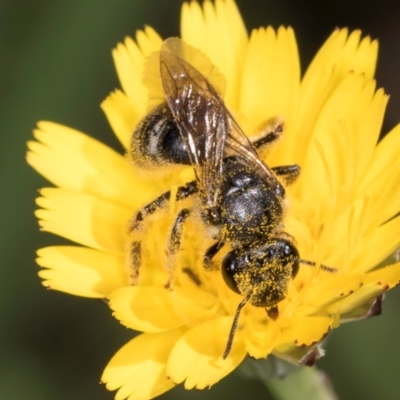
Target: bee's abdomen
[157,141]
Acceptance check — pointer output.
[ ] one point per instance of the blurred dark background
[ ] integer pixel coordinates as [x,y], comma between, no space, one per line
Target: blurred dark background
[55,64]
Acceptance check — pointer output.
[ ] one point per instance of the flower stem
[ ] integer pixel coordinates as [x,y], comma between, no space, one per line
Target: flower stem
[303,384]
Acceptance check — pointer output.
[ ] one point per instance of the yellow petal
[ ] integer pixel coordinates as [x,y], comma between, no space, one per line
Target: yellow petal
[377,245]
[361,129]
[129,61]
[218,31]
[302,332]
[74,161]
[261,335]
[365,126]
[83,219]
[156,309]
[338,56]
[271,82]
[376,283]
[81,271]
[122,116]
[321,294]
[354,239]
[138,368]
[382,176]
[324,166]
[197,356]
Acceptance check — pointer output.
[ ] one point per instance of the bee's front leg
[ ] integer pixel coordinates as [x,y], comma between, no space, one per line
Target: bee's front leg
[288,173]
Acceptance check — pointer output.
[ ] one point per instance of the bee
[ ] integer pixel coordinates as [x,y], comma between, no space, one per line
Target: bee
[241,198]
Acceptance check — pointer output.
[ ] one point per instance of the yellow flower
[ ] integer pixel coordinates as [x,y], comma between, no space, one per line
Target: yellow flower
[341,210]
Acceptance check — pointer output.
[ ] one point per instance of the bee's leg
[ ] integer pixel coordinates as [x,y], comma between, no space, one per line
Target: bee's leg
[137,220]
[135,257]
[211,252]
[182,193]
[269,132]
[174,244]
[135,225]
[289,173]
[186,191]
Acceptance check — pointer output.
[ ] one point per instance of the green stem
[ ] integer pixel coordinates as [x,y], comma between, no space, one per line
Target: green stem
[304,383]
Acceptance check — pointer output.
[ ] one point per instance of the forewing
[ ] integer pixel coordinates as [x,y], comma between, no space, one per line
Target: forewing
[200,115]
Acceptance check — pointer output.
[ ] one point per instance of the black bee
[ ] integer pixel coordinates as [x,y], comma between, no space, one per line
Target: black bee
[242,200]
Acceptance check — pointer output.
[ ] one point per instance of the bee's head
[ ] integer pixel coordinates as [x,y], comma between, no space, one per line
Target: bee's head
[262,270]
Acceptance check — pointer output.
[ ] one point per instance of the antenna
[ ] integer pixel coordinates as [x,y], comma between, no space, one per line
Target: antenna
[234,325]
[322,266]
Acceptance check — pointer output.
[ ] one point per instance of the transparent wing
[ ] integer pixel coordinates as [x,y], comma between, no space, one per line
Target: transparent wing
[199,113]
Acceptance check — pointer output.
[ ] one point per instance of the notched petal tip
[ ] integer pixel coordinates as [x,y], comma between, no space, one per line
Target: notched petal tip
[81,271]
[197,360]
[137,370]
[83,219]
[129,58]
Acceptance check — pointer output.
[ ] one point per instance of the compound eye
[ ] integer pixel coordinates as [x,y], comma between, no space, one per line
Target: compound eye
[231,265]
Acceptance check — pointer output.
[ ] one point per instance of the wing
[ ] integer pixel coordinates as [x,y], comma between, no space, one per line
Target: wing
[200,115]
[208,129]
